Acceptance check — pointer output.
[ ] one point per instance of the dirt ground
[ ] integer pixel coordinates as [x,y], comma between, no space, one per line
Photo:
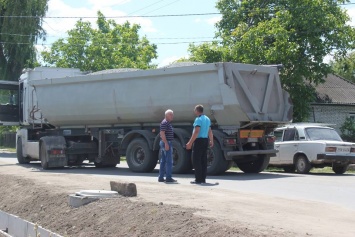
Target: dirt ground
[42,197]
[107,217]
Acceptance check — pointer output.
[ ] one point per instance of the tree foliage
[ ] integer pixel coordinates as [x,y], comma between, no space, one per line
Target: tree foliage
[108,46]
[297,34]
[345,66]
[18,35]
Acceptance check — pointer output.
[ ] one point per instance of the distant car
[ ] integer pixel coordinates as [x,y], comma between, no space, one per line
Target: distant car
[304,146]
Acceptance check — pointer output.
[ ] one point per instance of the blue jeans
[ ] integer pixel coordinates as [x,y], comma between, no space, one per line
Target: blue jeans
[166,161]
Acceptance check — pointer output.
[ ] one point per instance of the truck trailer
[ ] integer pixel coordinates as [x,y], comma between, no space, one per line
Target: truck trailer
[67,116]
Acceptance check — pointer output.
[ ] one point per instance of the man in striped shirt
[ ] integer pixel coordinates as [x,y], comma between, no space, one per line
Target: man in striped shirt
[166,148]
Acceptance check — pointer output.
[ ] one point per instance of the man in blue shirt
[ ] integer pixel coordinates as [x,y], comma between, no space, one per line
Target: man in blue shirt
[166,148]
[201,136]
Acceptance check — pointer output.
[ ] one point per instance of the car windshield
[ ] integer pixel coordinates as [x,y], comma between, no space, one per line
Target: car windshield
[323,134]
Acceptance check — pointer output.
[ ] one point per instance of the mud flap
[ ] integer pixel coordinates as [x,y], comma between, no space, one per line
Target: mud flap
[58,143]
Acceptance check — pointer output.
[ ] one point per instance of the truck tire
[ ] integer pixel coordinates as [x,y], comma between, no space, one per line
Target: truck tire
[181,164]
[255,166]
[302,165]
[140,157]
[43,156]
[20,158]
[216,163]
[340,169]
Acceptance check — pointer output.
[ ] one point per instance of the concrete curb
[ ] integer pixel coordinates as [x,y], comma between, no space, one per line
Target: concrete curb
[12,225]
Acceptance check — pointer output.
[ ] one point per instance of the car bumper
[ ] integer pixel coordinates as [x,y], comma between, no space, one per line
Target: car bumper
[330,158]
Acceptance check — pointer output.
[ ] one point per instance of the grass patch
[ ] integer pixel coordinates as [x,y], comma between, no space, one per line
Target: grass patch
[325,170]
[10,149]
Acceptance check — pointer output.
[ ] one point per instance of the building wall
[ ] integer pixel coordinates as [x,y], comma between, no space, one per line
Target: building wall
[332,114]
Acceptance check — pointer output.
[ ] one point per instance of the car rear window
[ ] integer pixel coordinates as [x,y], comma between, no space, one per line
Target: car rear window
[323,134]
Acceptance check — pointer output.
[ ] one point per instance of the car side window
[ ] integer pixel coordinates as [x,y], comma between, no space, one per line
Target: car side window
[278,135]
[290,135]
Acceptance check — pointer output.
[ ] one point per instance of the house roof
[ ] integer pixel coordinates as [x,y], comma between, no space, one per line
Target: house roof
[335,90]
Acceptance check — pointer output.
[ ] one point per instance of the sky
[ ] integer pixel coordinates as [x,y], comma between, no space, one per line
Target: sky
[172,35]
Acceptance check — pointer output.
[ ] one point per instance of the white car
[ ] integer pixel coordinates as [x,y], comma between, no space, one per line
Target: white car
[304,146]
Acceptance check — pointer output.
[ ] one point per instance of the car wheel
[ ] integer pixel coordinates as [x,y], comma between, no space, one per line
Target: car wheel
[340,169]
[302,164]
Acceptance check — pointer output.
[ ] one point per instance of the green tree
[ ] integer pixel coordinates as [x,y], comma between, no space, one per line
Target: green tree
[18,35]
[109,46]
[345,66]
[297,34]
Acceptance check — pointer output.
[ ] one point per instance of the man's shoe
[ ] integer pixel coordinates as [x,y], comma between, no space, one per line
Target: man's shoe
[161,180]
[170,181]
[194,182]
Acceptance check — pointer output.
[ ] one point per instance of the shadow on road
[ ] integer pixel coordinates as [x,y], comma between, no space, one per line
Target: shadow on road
[124,171]
[5,154]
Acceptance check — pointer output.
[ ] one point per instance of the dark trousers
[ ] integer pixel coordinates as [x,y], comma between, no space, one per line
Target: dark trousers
[199,159]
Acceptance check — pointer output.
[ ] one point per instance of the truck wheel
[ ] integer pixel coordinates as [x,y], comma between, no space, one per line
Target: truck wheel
[140,157]
[43,155]
[20,158]
[181,164]
[340,169]
[289,169]
[216,164]
[302,165]
[255,166]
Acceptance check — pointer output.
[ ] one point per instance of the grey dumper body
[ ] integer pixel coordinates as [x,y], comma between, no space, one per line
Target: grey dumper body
[68,116]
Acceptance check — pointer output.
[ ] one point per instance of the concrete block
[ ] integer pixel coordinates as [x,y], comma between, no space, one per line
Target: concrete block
[17,227]
[77,201]
[125,189]
[4,220]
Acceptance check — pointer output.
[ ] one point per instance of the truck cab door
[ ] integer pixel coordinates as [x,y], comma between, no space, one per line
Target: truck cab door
[9,103]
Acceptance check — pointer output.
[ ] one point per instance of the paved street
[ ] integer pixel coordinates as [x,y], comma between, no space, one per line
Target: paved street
[331,188]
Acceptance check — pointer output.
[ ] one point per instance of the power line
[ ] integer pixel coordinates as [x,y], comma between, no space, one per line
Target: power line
[153,38]
[94,17]
[180,42]
[152,16]
[146,7]
[161,7]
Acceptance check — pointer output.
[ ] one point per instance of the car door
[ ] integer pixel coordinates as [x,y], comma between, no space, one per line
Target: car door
[289,146]
[278,133]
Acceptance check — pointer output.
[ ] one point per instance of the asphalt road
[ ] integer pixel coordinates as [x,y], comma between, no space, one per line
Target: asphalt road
[326,188]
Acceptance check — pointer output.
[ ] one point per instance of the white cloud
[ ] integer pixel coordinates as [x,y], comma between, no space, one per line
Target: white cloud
[107,3]
[213,20]
[210,21]
[167,61]
[57,27]
[351,13]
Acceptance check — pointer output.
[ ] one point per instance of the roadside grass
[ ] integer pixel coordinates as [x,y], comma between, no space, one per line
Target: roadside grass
[325,170]
[10,149]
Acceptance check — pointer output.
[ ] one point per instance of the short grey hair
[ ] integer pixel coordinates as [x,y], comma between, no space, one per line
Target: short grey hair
[169,111]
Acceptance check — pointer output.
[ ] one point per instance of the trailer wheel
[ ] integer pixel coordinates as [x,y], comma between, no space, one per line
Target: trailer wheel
[181,164]
[302,164]
[340,169]
[43,155]
[20,158]
[255,166]
[140,157]
[216,164]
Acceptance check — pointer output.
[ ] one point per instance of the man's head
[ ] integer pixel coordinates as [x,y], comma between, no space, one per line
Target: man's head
[169,115]
[198,110]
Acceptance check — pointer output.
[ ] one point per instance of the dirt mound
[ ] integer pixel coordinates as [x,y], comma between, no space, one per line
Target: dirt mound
[110,217]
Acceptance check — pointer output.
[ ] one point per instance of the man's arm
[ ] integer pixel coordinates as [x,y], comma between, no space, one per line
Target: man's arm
[163,138]
[210,136]
[193,137]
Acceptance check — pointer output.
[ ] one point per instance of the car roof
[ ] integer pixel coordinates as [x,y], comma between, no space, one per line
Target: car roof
[306,125]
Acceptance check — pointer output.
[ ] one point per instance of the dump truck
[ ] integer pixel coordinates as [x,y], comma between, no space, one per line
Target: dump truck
[68,117]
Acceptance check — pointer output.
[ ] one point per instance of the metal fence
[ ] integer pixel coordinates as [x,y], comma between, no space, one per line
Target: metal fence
[8,139]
